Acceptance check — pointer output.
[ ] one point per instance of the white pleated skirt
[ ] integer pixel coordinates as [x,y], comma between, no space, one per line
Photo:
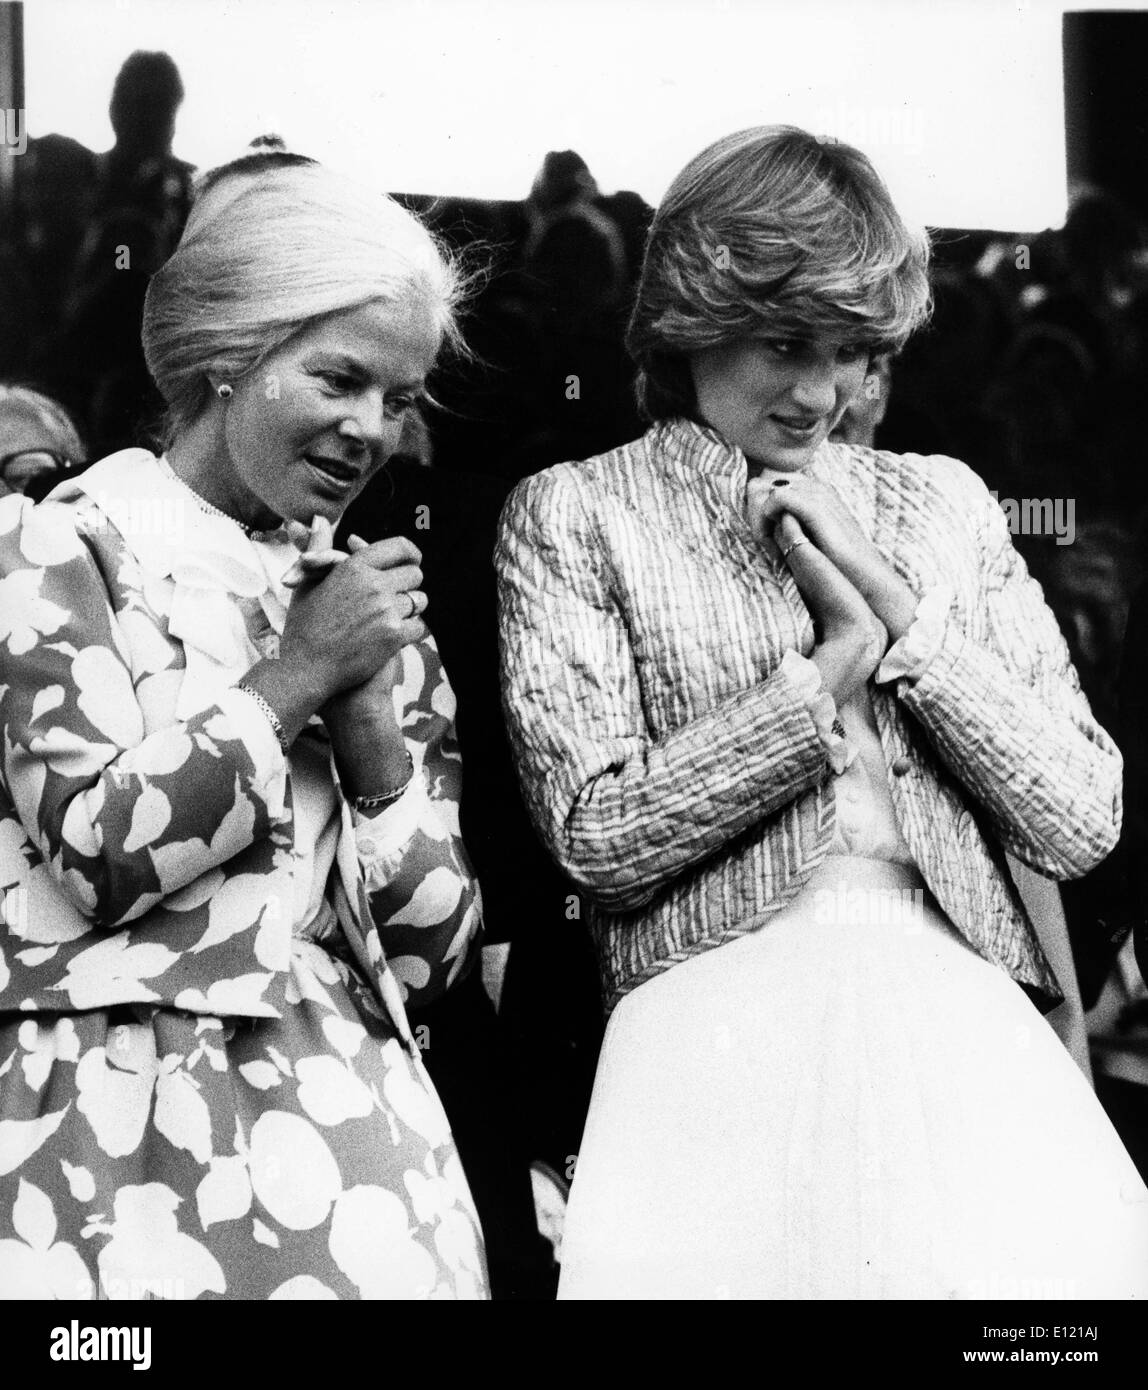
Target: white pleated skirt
[849,1103]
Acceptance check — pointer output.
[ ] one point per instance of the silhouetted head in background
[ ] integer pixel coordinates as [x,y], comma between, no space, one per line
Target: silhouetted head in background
[145,99]
[564,178]
[574,257]
[863,415]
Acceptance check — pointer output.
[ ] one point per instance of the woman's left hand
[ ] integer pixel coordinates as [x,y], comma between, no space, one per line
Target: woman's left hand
[833,529]
[370,704]
[368,743]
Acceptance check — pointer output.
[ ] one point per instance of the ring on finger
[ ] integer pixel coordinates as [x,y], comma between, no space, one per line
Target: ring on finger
[801,540]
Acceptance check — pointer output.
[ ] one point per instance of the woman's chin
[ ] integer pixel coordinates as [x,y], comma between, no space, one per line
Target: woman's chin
[780,461]
[780,455]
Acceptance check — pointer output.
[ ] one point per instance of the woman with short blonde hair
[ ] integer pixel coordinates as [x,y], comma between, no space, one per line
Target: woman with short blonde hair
[826,252]
[780,706]
[230,839]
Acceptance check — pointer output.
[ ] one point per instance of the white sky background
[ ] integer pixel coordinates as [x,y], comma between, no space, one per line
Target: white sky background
[958,102]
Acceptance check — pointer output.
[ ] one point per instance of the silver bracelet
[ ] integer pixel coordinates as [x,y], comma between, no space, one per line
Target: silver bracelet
[377,800]
[272,718]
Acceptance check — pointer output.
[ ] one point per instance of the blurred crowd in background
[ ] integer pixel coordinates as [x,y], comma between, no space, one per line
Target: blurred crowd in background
[1032,371]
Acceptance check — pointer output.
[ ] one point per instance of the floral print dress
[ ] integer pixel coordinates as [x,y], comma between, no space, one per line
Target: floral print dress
[209,1086]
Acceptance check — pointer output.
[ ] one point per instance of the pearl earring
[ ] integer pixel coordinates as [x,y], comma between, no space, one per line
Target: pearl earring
[224,392]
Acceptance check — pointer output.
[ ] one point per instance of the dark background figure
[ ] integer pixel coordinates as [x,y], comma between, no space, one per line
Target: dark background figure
[549,378]
[515,1085]
[578,277]
[139,204]
[48,222]
[1119,997]
[90,231]
[1133,728]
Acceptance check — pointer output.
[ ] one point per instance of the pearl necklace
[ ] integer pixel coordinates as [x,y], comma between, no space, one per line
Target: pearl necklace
[209,507]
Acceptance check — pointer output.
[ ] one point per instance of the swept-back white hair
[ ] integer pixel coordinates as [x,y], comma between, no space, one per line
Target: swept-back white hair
[296,244]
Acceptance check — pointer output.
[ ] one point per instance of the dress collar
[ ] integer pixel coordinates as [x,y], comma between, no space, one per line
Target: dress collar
[172,537]
[227,603]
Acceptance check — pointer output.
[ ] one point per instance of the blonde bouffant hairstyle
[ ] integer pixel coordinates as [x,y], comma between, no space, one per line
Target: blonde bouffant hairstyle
[772,232]
[292,246]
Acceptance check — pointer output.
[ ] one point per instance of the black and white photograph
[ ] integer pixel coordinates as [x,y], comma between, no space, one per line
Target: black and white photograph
[574,663]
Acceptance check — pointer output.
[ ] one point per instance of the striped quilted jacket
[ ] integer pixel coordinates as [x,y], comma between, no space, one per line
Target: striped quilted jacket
[674,772]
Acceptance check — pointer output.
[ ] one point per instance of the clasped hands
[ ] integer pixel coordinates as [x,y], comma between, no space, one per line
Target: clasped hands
[858,602]
[352,612]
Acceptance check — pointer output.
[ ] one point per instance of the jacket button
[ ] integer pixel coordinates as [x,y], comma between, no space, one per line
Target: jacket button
[901,766]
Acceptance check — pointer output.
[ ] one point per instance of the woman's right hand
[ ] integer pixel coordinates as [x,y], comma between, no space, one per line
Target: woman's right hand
[852,640]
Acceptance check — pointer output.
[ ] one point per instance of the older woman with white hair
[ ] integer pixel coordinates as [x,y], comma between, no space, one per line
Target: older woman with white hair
[780,706]
[229,837]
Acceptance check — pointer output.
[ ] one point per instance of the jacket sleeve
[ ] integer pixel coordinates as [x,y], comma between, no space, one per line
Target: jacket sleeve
[621,812]
[121,818]
[423,896]
[1007,714]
